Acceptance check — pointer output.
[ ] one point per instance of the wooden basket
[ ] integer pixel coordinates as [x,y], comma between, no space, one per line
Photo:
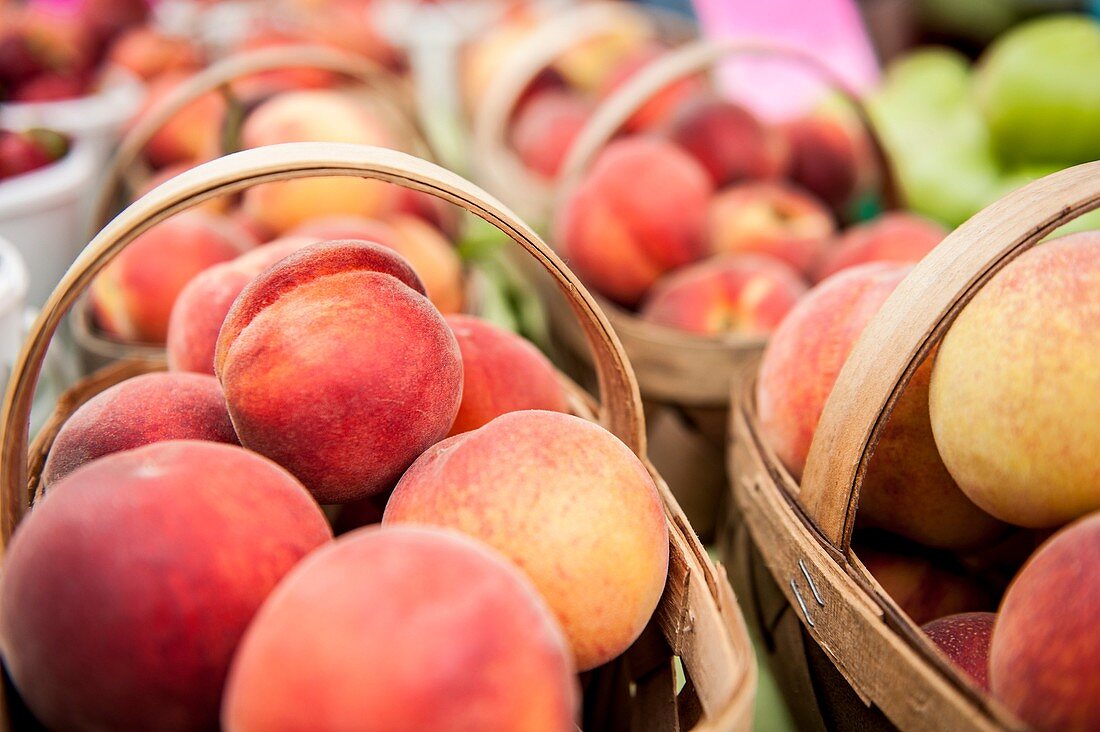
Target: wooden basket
[684,376]
[697,623]
[126,172]
[850,658]
[496,164]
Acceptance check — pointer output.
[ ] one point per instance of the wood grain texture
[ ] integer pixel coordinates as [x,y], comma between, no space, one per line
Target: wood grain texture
[911,322]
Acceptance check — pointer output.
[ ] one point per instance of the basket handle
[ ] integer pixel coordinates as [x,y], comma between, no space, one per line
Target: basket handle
[691,59]
[910,323]
[620,410]
[496,160]
[221,74]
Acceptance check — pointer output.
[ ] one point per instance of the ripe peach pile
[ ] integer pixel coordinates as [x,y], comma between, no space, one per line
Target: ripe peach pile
[984,491]
[180,573]
[717,223]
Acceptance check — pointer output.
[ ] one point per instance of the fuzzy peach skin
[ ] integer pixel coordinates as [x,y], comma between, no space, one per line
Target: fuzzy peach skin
[314,116]
[336,366]
[737,293]
[126,590]
[1044,661]
[639,212]
[924,588]
[964,638]
[402,629]
[770,218]
[502,373]
[430,253]
[830,156]
[138,411]
[896,236]
[190,136]
[567,502]
[1016,386]
[729,141]
[132,298]
[907,489]
[545,128]
[202,305]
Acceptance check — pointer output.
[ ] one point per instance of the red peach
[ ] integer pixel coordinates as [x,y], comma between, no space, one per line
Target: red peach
[127,589]
[964,638]
[501,373]
[150,53]
[659,109]
[402,629]
[770,218]
[740,293]
[924,589]
[830,157]
[545,128]
[891,237]
[336,366]
[193,134]
[731,143]
[1044,661]
[639,212]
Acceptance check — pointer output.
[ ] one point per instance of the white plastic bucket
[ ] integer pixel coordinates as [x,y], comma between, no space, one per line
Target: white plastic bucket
[43,214]
[13,300]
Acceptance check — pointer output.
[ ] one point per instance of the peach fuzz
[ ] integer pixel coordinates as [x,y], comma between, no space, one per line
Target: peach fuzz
[964,639]
[1015,387]
[729,141]
[126,590]
[907,489]
[567,502]
[202,305]
[925,589]
[336,366]
[139,411]
[430,253]
[545,128]
[314,116]
[1044,661]
[132,298]
[892,237]
[409,629]
[740,293]
[191,135]
[502,373]
[770,218]
[638,212]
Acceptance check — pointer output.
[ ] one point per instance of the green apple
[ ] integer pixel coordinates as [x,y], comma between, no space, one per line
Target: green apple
[1039,90]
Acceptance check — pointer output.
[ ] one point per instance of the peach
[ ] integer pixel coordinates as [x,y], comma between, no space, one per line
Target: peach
[659,109]
[149,53]
[892,237]
[402,629]
[139,411]
[202,305]
[193,134]
[336,366]
[964,638]
[1044,660]
[1015,387]
[830,157]
[431,255]
[925,589]
[906,489]
[566,501]
[737,293]
[132,298]
[729,141]
[545,128]
[639,212]
[314,116]
[501,373]
[126,590]
[770,218]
